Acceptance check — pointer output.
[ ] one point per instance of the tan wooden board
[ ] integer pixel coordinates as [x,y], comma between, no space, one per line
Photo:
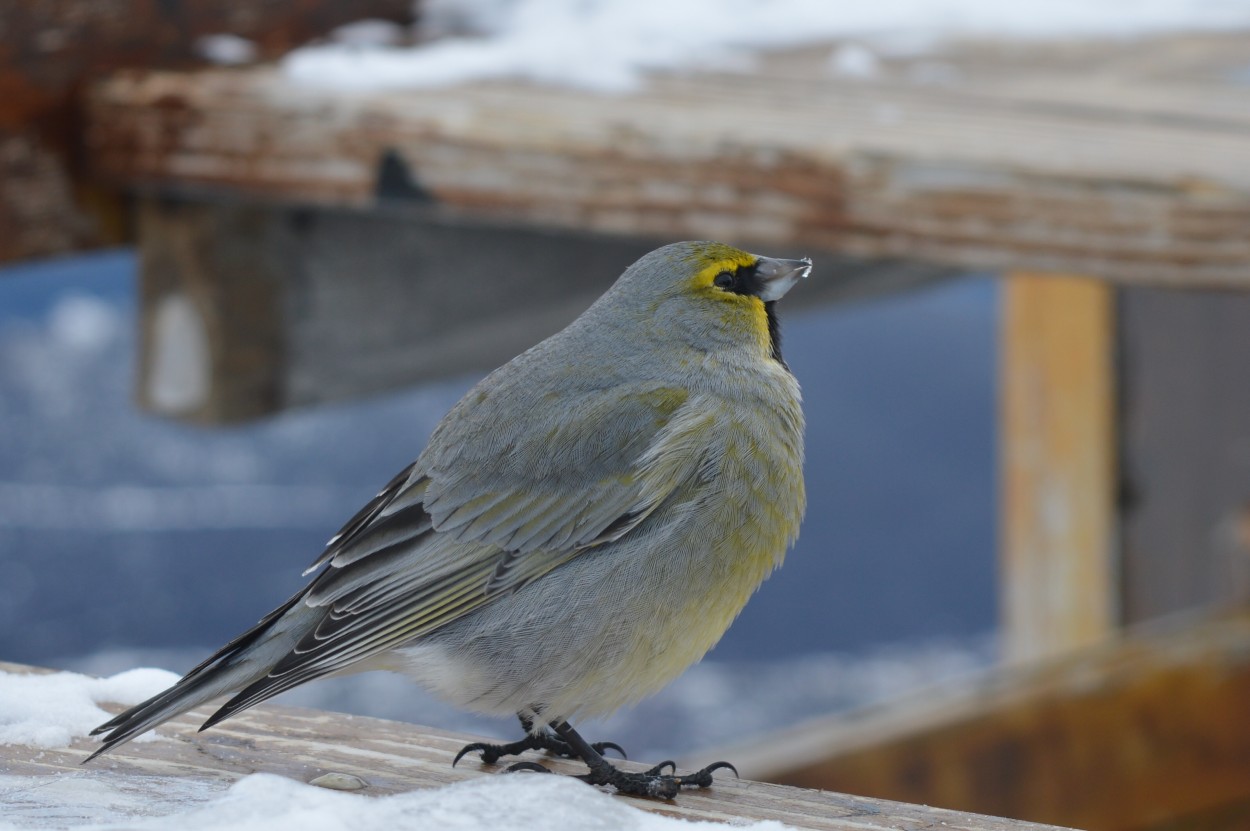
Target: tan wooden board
[393,757]
[1081,158]
[1057,465]
[1148,732]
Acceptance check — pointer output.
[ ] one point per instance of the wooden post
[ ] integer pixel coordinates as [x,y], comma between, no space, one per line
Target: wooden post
[1058,465]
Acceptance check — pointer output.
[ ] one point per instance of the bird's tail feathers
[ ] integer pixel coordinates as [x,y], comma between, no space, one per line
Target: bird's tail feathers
[239,663]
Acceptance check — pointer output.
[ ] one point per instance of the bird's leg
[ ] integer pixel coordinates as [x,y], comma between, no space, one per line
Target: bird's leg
[653,782]
[543,740]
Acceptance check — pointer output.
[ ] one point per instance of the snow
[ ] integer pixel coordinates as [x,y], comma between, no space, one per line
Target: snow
[51,710]
[854,60]
[265,802]
[82,322]
[227,50]
[607,46]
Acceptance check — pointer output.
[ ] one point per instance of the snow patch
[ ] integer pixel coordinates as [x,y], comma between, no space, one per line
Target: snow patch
[227,50]
[265,802]
[854,60]
[53,710]
[607,46]
[83,323]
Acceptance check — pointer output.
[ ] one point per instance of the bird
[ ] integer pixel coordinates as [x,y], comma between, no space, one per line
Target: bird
[582,526]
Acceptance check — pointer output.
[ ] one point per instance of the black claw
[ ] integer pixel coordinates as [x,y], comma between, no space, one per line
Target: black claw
[658,770]
[523,766]
[703,778]
[489,752]
[602,746]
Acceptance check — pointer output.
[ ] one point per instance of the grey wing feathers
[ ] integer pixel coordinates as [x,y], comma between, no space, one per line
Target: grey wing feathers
[469,521]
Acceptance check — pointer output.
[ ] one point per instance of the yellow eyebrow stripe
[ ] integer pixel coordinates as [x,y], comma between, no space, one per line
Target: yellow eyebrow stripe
[703,279]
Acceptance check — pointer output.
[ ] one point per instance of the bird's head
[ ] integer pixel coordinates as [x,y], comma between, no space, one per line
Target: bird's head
[710,295]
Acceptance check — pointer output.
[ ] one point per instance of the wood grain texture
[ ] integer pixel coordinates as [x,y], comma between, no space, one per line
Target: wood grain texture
[1058,569]
[1145,733]
[1128,166]
[392,757]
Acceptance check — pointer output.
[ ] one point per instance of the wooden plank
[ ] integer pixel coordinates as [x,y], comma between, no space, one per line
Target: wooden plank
[1185,438]
[1148,732]
[1057,579]
[392,757]
[983,174]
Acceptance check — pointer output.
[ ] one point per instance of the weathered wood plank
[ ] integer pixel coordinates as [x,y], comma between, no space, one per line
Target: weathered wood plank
[1137,183]
[1058,584]
[392,757]
[1145,733]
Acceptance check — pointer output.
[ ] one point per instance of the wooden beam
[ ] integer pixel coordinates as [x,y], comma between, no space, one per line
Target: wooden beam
[990,173]
[1058,577]
[1144,734]
[246,310]
[390,757]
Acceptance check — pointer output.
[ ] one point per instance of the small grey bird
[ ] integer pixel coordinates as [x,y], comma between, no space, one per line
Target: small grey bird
[582,526]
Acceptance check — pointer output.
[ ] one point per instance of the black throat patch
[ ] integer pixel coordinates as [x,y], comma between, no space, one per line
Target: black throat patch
[746,280]
[774,334]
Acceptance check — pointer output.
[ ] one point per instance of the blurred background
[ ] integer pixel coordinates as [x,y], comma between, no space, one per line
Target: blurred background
[249,260]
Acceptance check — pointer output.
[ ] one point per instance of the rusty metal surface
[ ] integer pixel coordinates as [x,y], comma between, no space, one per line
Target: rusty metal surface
[51,49]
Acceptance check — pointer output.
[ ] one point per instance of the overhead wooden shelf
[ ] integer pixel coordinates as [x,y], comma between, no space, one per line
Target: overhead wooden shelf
[1128,161]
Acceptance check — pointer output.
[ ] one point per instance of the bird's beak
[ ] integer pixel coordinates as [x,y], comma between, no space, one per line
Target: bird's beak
[777,276]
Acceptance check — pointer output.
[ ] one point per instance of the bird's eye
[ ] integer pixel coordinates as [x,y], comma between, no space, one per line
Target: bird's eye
[723,280]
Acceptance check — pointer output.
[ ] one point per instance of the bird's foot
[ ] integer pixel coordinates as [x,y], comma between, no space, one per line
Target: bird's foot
[492,753]
[654,783]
